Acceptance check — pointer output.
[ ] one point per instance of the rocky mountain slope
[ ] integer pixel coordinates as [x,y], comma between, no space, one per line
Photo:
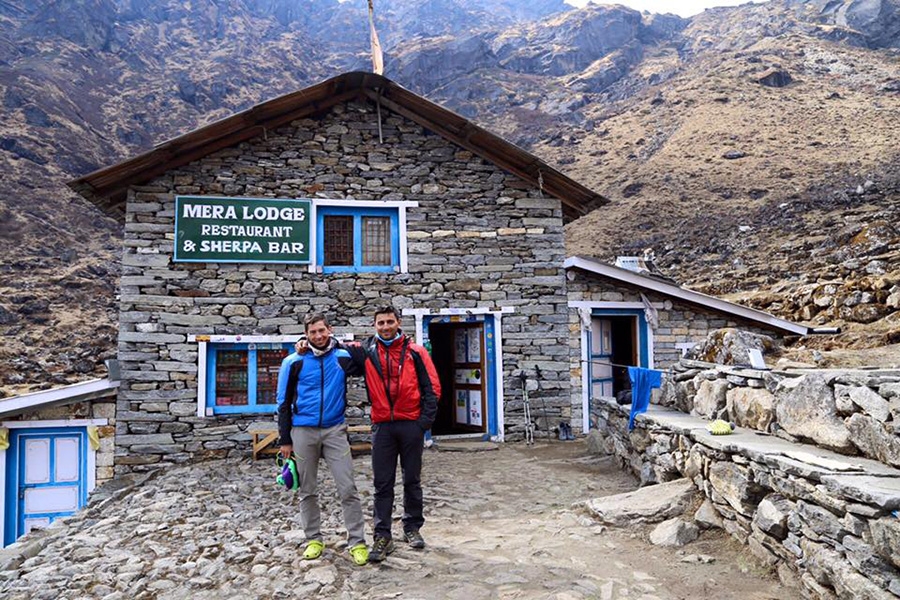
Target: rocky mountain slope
[750,147]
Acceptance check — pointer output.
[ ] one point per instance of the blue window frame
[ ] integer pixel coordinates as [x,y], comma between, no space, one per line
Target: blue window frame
[365,248]
[243,378]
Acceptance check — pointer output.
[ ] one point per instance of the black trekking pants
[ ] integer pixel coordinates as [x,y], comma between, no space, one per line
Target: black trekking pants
[392,440]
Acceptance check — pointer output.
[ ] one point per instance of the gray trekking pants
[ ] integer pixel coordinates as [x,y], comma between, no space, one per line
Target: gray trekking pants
[309,444]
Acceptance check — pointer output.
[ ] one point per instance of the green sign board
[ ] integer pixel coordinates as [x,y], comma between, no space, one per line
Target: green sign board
[241,230]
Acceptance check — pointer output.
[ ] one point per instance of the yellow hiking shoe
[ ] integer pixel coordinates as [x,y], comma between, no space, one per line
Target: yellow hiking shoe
[313,550]
[360,554]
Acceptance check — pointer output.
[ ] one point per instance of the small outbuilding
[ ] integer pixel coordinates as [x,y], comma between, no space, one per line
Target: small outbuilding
[56,446]
[628,318]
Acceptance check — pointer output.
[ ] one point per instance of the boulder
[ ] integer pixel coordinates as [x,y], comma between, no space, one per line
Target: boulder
[710,398]
[772,515]
[650,504]
[808,411]
[730,346]
[873,439]
[751,407]
[868,400]
[707,517]
[674,532]
[774,78]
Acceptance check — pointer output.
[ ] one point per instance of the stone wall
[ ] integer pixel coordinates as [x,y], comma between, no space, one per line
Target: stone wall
[806,512]
[480,237]
[679,323]
[100,408]
[850,412]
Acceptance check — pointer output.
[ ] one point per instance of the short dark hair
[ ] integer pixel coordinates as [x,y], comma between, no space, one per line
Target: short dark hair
[315,318]
[385,309]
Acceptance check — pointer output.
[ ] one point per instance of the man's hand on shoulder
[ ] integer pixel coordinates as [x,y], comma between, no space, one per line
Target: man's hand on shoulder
[302,346]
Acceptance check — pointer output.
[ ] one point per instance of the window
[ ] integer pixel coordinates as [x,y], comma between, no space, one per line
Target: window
[243,378]
[358,239]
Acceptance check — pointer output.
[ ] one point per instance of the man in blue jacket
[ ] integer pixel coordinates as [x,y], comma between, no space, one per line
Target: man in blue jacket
[312,397]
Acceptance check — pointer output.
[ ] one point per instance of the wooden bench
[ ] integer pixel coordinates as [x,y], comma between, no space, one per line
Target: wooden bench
[264,439]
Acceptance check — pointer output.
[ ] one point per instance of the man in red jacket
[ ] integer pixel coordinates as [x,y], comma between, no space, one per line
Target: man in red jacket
[403,387]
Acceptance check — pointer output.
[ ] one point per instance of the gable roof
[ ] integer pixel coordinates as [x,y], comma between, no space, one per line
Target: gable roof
[667,288]
[107,187]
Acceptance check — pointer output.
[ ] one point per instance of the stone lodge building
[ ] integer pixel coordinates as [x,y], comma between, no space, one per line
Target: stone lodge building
[342,196]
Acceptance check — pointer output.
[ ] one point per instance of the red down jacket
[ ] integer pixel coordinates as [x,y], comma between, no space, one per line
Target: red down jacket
[401,380]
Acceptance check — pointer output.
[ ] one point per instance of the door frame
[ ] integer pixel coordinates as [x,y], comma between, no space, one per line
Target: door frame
[8,498]
[493,343]
[588,310]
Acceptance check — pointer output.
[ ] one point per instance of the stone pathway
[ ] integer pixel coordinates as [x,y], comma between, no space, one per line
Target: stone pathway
[501,525]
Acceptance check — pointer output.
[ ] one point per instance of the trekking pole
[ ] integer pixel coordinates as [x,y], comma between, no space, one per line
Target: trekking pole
[526,406]
[537,376]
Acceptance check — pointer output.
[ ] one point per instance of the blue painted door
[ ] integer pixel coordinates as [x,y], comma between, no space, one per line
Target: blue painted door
[46,479]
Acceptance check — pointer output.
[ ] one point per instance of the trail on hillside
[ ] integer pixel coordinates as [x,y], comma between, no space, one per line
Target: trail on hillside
[500,524]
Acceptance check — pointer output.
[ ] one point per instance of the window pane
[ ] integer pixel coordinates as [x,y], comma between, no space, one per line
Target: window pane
[268,362]
[231,378]
[338,242]
[376,242]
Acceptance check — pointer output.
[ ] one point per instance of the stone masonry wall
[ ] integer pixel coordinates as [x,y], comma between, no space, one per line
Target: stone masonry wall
[837,532]
[480,237]
[679,323]
[850,412]
[100,408]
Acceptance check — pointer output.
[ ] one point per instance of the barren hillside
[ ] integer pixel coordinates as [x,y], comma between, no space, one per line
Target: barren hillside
[752,148]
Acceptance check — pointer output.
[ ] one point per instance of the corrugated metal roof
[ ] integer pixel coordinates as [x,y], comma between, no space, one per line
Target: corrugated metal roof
[107,187]
[668,288]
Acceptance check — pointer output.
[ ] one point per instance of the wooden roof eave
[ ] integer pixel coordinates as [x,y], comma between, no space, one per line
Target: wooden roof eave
[181,151]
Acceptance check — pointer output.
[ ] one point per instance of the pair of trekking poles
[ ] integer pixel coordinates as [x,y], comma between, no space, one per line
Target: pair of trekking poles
[526,403]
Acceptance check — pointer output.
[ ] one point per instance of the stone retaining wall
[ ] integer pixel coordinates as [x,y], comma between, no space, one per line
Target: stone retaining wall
[851,412]
[806,512]
[480,237]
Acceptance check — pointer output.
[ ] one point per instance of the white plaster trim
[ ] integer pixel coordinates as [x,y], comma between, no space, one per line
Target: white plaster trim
[420,328]
[2,494]
[365,203]
[498,365]
[716,304]
[313,240]
[478,310]
[243,339]
[404,250]
[91,469]
[651,360]
[613,305]
[54,423]
[201,378]
[69,393]
[585,382]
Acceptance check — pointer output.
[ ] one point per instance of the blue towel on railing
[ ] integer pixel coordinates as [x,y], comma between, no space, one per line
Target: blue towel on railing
[642,381]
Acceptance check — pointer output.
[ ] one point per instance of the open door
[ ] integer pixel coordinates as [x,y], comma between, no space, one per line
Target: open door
[458,350]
